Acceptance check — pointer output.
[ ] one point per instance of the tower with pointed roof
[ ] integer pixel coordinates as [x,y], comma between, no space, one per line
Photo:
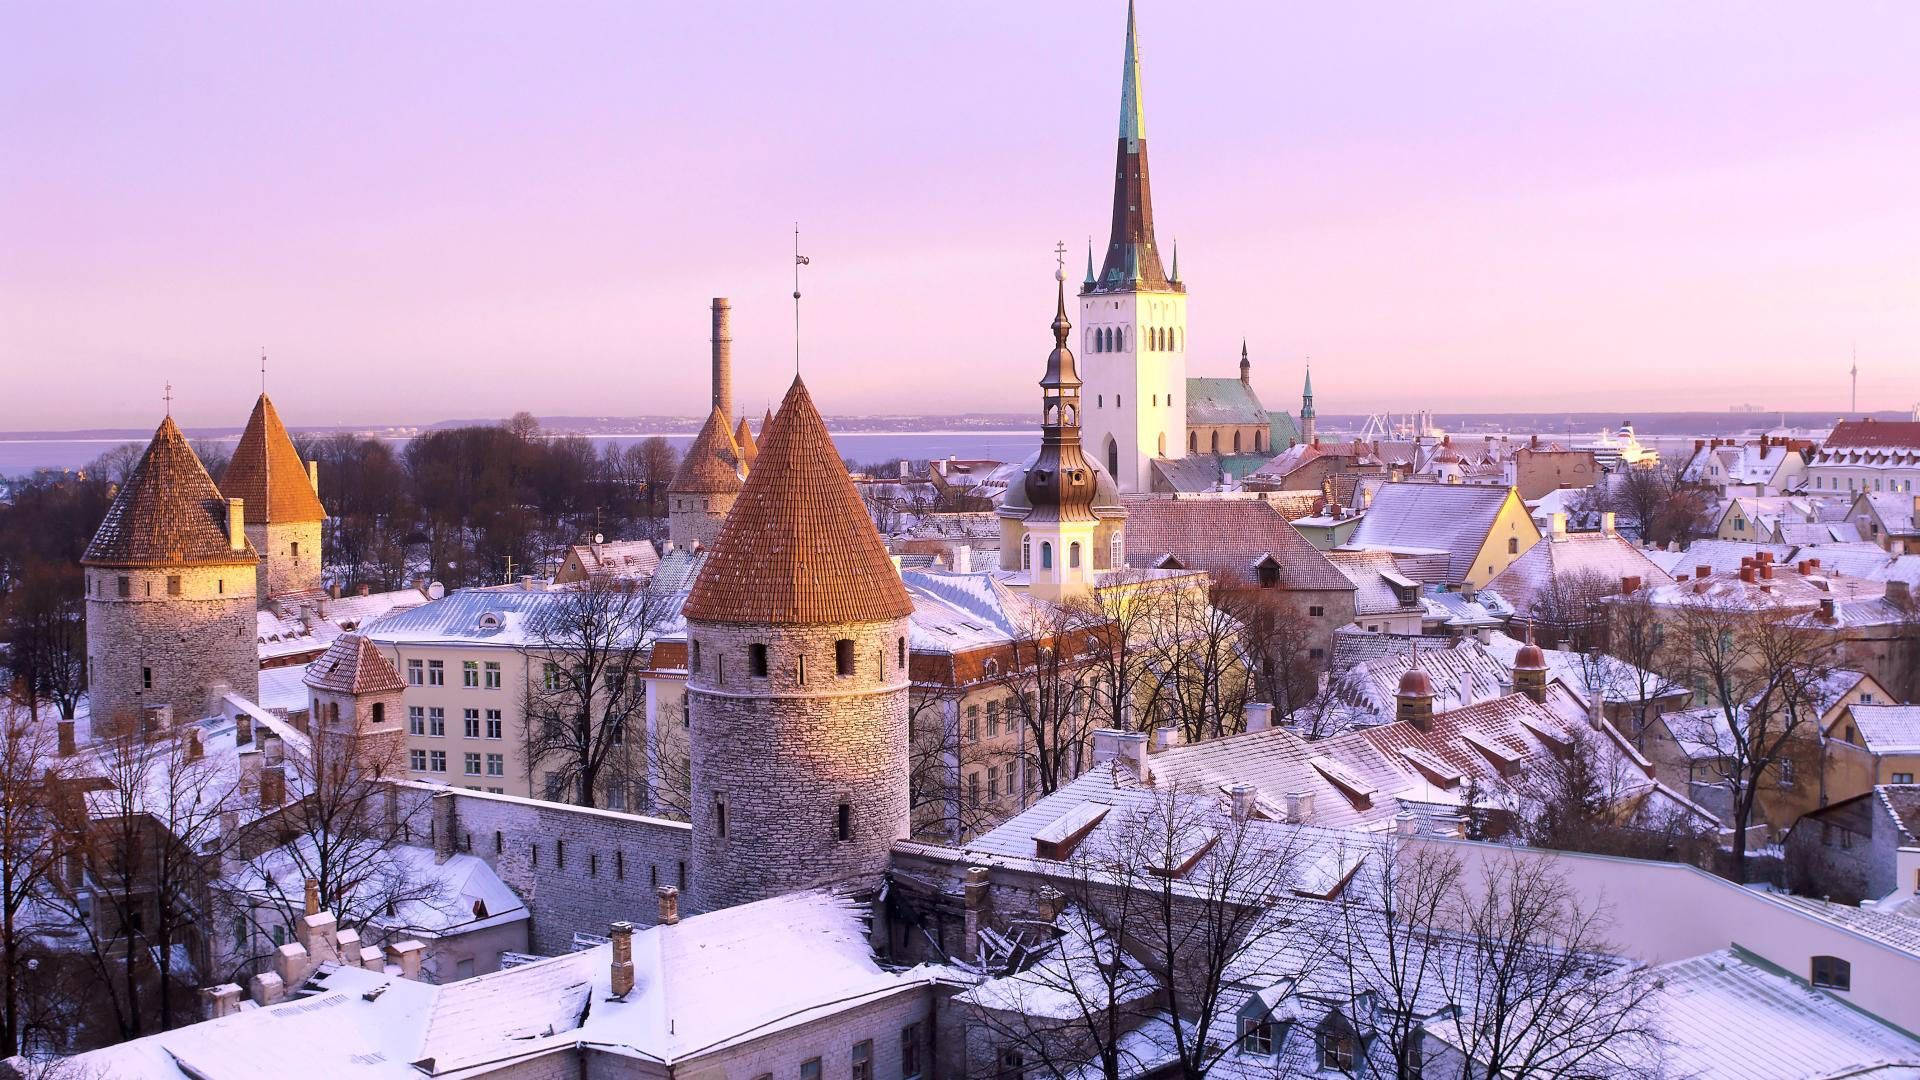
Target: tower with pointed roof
[170,587]
[282,496]
[743,440]
[1308,424]
[354,709]
[1064,526]
[797,680]
[704,489]
[1133,316]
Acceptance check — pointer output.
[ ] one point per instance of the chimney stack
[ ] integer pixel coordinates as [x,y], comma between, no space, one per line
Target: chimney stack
[445,826]
[243,729]
[723,355]
[1049,902]
[236,524]
[621,934]
[273,786]
[1241,797]
[313,475]
[1259,715]
[196,749]
[313,897]
[1608,522]
[67,744]
[669,905]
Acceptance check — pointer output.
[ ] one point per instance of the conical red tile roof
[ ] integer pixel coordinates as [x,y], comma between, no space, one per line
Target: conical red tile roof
[351,665]
[799,548]
[743,440]
[712,463]
[168,513]
[267,472]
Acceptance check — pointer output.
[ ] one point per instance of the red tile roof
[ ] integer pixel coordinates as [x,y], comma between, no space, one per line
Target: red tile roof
[267,472]
[743,441]
[712,463]
[168,513]
[1226,537]
[351,665]
[1848,433]
[799,548]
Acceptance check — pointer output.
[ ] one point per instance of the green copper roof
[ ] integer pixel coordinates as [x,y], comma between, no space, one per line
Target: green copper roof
[1089,261]
[1133,125]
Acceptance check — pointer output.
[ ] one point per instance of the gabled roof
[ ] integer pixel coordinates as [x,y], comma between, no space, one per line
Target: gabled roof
[712,463]
[799,547]
[351,665]
[1226,537]
[1224,401]
[1454,517]
[168,513]
[1889,729]
[267,472]
[1862,433]
[1605,558]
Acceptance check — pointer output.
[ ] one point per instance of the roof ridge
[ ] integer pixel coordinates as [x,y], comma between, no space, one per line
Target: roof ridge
[266,471]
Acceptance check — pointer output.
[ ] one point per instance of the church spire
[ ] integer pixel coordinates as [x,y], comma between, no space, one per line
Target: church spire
[1059,485]
[1133,258]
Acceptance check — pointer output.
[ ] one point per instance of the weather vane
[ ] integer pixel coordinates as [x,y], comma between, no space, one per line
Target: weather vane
[799,261]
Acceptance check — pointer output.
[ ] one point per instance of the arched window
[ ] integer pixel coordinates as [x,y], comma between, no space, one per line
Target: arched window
[1026,553]
[1113,460]
[1073,416]
[1119,339]
[1236,442]
[1116,553]
[1259,441]
[1513,545]
[1046,555]
[1193,442]
[1832,973]
[1053,415]
[1213,443]
[1073,555]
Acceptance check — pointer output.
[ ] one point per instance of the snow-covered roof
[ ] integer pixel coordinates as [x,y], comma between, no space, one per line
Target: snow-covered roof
[457,896]
[1889,729]
[1602,558]
[1456,518]
[507,618]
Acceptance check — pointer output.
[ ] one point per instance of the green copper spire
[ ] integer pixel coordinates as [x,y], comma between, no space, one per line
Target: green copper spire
[1306,394]
[1090,278]
[1176,260]
[1133,126]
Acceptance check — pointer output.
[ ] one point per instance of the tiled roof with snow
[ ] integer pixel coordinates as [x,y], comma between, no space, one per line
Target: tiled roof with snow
[1604,558]
[168,513]
[1456,518]
[711,465]
[1889,729]
[1719,555]
[353,666]
[1226,537]
[1379,586]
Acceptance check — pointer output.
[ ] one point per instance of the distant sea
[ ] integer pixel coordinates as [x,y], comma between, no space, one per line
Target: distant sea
[19,457]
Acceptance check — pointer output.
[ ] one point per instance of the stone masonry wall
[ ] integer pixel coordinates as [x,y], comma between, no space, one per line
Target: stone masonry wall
[281,570]
[697,519]
[578,870]
[783,752]
[207,634]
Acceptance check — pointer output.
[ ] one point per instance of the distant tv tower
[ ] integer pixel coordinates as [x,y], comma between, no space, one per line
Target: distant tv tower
[1854,405]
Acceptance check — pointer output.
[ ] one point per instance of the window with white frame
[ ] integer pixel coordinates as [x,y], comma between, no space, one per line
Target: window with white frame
[493,674]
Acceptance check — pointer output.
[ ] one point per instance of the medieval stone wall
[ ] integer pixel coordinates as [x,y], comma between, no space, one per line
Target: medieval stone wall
[577,869]
[782,753]
[184,642]
[696,519]
[289,556]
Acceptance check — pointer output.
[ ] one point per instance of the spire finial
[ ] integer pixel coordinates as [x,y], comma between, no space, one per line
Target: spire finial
[1176,260]
[1061,327]
[166,395]
[263,371]
[1133,126]
[1090,278]
[799,261]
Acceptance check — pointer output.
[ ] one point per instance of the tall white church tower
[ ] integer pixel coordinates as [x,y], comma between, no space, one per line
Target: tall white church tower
[1133,318]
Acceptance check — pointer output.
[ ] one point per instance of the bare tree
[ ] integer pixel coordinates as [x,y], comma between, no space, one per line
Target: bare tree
[586,700]
[1636,635]
[29,846]
[1568,610]
[1760,671]
[1537,990]
[1198,650]
[1278,639]
[1124,610]
[1045,671]
[342,834]
[47,637]
[148,837]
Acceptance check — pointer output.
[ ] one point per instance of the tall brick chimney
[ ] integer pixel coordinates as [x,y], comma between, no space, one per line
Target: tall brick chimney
[237,524]
[669,905]
[723,355]
[621,934]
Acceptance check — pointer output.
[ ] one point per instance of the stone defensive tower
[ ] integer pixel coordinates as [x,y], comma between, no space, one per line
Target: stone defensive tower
[282,496]
[354,710]
[170,586]
[797,680]
[710,474]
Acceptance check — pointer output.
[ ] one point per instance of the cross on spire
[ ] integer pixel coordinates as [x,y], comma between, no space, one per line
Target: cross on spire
[1060,257]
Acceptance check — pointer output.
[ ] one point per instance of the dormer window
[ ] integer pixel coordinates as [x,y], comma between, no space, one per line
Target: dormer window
[1336,1047]
[1256,1037]
[489,620]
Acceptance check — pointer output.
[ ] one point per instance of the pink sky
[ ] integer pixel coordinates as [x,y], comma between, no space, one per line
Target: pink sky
[432,210]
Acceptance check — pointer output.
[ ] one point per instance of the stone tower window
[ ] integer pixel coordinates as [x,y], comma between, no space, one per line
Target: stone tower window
[720,670]
[720,815]
[695,653]
[843,657]
[173,584]
[296,549]
[379,712]
[903,651]
[146,678]
[800,669]
[843,822]
[757,660]
[126,586]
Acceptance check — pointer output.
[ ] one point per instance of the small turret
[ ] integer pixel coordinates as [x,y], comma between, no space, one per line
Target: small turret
[1413,700]
[1530,670]
[1246,365]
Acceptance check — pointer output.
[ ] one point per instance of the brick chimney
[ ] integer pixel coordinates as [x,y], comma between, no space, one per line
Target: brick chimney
[669,905]
[313,897]
[273,786]
[67,744]
[1049,902]
[446,826]
[1240,797]
[196,748]
[621,934]
[237,524]
[723,355]
[243,729]
[974,896]
[1630,585]
[1702,570]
